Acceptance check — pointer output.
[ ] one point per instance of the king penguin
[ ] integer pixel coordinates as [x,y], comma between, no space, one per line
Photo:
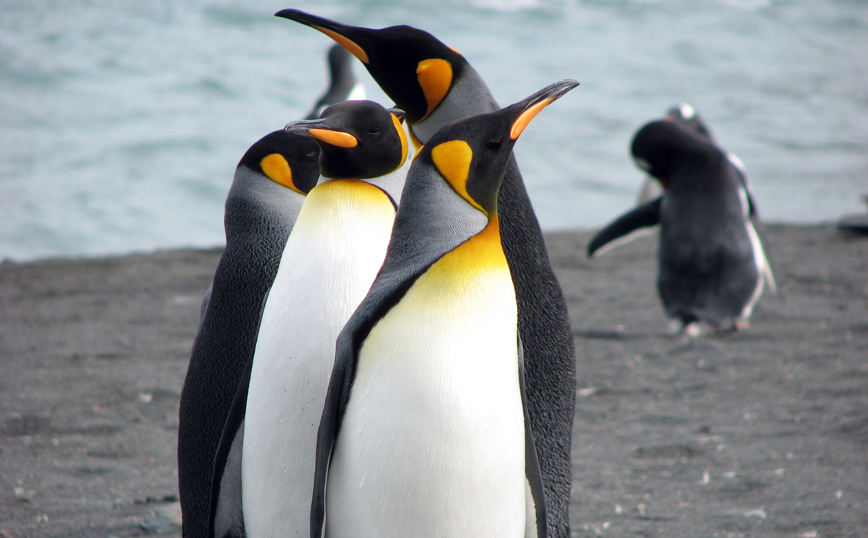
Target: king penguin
[343,85]
[712,264]
[268,190]
[424,429]
[336,248]
[436,85]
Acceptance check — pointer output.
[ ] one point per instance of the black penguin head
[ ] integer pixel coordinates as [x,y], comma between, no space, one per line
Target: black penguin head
[292,160]
[689,117]
[661,145]
[414,68]
[357,139]
[472,154]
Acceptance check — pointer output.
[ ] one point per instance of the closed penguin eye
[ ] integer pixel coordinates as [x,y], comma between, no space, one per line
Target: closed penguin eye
[495,140]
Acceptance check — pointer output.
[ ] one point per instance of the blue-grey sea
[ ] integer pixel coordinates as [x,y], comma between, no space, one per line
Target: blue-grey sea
[121,122]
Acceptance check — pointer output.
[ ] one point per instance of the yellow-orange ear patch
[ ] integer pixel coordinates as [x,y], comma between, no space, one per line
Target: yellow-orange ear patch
[403,136]
[452,160]
[521,122]
[435,79]
[346,43]
[277,169]
[335,138]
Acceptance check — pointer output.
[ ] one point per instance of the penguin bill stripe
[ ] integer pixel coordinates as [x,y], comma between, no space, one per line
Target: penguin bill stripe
[335,138]
[521,122]
[346,43]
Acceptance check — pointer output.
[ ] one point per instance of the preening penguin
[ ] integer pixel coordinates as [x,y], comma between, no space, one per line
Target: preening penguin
[436,85]
[689,117]
[268,190]
[712,262]
[337,246]
[424,429]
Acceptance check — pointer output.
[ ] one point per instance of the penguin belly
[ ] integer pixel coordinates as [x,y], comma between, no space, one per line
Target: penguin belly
[432,440]
[330,260]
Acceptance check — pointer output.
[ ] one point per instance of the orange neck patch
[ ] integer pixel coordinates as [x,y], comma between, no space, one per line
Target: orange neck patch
[403,136]
[435,79]
[452,160]
[277,169]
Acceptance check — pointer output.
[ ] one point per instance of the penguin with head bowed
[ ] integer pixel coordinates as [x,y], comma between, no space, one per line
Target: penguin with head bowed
[424,430]
[270,185]
[688,116]
[333,254]
[712,262]
[343,85]
[436,85]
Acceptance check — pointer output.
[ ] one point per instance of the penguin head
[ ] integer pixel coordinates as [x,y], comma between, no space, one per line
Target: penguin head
[413,67]
[471,154]
[289,159]
[688,116]
[357,139]
[661,145]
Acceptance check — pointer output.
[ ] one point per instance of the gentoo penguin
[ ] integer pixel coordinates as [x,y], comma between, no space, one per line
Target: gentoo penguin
[436,85]
[270,185]
[330,260]
[423,432]
[712,262]
[343,85]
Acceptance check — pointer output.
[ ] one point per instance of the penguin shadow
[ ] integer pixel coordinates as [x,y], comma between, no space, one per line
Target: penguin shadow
[620,333]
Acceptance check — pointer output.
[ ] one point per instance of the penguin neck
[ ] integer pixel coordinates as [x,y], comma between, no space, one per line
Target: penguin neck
[481,253]
[391,184]
[344,203]
[257,206]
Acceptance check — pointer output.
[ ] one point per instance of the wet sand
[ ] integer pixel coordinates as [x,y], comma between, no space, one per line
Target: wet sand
[762,433]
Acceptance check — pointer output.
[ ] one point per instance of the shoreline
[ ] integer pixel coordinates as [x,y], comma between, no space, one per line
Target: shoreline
[758,433]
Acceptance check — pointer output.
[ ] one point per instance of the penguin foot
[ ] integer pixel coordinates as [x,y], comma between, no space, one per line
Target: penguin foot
[691,330]
[694,330]
[741,324]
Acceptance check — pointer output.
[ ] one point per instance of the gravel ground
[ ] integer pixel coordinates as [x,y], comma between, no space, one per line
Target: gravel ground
[762,433]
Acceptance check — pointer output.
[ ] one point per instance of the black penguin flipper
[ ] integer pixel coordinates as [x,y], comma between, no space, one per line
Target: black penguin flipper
[335,404]
[621,230]
[227,514]
[531,463]
[227,511]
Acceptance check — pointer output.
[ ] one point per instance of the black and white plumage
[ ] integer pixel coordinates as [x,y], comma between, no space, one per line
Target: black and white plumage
[268,190]
[435,85]
[713,263]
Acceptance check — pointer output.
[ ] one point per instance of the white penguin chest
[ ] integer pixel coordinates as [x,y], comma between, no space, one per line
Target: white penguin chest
[433,434]
[329,262]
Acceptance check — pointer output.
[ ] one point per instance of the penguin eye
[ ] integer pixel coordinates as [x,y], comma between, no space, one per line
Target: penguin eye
[373,131]
[495,140]
[311,154]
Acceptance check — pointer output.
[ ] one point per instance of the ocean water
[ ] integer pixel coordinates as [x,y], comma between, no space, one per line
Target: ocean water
[121,122]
